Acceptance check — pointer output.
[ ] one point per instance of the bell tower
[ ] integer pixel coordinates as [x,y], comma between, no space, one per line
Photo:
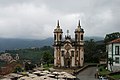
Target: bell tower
[79,45]
[57,45]
[79,33]
[57,34]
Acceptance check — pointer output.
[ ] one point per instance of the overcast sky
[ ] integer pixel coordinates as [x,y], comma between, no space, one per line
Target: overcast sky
[36,19]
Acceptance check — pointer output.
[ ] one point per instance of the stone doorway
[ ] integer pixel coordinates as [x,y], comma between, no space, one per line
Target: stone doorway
[67,60]
[67,63]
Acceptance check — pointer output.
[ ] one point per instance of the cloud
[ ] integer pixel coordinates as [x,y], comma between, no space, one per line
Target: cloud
[37,19]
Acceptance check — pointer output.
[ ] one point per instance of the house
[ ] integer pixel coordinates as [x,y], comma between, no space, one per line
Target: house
[113,50]
[68,52]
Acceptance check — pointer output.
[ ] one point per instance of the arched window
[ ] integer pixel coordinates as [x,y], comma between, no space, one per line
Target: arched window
[75,36]
[72,53]
[54,36]
[60,36]
[62,53]
[81,37]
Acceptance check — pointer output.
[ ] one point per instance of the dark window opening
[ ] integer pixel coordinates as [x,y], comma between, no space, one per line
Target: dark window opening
[72,53]
[60,36]
[62,53]
[81,37]
[54,37]
[117,50]
[76,37]
[117,60]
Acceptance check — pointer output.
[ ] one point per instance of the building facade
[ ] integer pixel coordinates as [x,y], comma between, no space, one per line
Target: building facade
[68,52]
[113,50]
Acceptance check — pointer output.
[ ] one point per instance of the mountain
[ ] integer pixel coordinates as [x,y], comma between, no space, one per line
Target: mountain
[96,38]
[11,43]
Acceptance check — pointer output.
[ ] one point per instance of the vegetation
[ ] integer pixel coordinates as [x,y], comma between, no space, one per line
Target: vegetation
[94,51]
[47,58]
[18,69]
[102,70]
[47,67]
[34,55]
[29,66]
[111,36]
[115,76]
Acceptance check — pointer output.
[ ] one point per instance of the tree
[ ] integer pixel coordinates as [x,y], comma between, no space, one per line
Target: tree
[111,36]
[47,58]
[94,51]
[29,66]
[18,69]
[90,51]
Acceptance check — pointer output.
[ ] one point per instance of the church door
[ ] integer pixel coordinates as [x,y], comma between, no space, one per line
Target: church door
[67,60]
[68,63]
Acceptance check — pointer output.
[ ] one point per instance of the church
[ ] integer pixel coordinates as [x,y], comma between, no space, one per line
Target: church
[68,52]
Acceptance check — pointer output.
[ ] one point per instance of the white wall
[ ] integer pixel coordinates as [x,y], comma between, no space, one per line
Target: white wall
[54,57]
[81,58]
[62,61]
[116,66]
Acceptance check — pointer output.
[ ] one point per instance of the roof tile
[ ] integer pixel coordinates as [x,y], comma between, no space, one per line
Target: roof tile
[115,41]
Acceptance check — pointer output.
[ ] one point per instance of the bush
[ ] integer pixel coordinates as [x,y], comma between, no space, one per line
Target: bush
[18,69]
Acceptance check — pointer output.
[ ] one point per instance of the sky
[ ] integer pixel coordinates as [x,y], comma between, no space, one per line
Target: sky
[37,19]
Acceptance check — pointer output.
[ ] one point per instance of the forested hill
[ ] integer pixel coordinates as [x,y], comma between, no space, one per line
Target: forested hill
[11,44]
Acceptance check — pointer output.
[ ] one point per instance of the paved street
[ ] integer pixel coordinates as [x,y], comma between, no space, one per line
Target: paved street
[87,74]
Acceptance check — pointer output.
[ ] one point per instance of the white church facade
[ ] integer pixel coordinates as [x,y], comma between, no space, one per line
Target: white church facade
[68,52]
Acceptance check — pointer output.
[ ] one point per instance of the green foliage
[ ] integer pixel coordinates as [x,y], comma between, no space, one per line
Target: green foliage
[29,66]
[90,50]
[102,70]
[94,51]
[111,36]
[47,67]
[18,69]
[115,76]
[47,58]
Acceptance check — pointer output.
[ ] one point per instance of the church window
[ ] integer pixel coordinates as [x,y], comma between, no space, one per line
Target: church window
[75,36]
[72,53]
[62,53]
[54,37]
[60,36]
[77,53]
[81,37]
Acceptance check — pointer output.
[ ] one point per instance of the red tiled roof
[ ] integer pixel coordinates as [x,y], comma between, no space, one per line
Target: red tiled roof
[115,41]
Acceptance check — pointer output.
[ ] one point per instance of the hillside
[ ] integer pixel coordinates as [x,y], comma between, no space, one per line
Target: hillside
[11,44]
[32,54]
